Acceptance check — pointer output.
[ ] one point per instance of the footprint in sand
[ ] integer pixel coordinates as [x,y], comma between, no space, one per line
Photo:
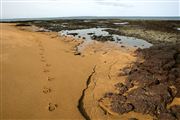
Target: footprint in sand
[43,60]
[42,57]
[41,48]
[52,107]
[41,54]
[50,78]
[46,90]
[40,45]
[46,70]
[48,65]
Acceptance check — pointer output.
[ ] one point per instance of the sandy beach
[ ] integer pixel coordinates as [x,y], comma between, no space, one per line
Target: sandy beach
[37,71]
[45,76]
[90,60]
[42,78]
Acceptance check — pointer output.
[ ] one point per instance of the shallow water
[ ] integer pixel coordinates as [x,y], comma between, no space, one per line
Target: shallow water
[84,32]
[122,23]
[87,33]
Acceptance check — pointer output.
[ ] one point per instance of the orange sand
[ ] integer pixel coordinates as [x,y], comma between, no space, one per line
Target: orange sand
[41,73]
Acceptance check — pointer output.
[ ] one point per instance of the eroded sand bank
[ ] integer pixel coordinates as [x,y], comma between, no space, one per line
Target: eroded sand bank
[42,78]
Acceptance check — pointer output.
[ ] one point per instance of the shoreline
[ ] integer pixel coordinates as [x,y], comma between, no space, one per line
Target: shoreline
[45,68]
[95,17]
[155,32]
[64,81]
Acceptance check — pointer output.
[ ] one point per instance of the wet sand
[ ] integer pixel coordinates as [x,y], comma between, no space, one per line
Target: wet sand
[43,79]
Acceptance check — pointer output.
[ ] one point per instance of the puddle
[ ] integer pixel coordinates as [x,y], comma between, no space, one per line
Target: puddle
[85,33]
[123,23]
[132,41]
[88,34]
[87,21]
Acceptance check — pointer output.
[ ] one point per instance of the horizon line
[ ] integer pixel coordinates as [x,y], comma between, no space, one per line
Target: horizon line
[87,16]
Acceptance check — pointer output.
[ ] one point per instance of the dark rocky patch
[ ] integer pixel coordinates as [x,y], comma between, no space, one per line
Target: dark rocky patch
[158,82]
[73,34]
[102,38]
[166,116]
[118,39]
[121,88]
[118,103]
[121,107]
[175,110]
[112,31]
[90,33]
[23,24]
[150,100]
[125,71]
[77,53]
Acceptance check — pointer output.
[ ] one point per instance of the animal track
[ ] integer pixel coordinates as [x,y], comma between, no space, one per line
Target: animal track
[52,107]
[46,90]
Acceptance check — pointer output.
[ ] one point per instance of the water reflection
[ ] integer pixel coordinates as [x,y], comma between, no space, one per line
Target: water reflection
[88,34]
